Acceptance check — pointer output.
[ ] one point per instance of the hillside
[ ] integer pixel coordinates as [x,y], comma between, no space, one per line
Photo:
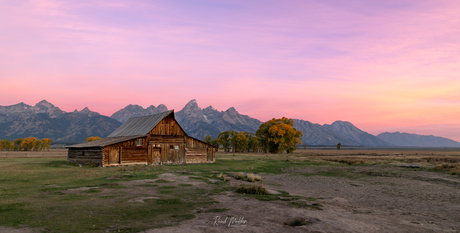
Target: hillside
[415,140]
[318,135]
[46,121]
[348,130]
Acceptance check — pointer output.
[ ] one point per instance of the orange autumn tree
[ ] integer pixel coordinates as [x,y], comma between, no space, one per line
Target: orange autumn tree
[92,138]
[28,143]
[278,135]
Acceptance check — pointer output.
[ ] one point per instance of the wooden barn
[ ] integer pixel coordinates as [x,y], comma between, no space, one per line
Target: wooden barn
[155,139]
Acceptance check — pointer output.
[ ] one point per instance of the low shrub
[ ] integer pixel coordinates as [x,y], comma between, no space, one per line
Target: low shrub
[253,189]
[240,176]
[250,177]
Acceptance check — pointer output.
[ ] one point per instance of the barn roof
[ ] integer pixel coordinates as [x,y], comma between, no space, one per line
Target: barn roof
[139,126]
[103,142]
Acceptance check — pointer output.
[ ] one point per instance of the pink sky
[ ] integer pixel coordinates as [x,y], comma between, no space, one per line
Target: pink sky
[382,65]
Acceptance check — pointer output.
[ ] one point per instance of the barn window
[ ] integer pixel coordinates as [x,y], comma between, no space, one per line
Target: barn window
[171,147]
[139,142]
[176,147]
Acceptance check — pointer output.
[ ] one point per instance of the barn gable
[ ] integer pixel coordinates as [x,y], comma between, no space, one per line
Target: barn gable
[139,126]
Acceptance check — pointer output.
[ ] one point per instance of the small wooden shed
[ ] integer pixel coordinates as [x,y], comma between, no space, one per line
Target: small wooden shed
[155,139]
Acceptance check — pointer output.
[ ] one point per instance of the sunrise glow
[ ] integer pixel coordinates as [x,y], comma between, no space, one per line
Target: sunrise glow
[382,65]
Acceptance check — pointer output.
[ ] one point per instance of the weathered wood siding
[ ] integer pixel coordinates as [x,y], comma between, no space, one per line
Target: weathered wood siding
[171,149]
[167,126]
[91,155]
[129,152]
[197,151]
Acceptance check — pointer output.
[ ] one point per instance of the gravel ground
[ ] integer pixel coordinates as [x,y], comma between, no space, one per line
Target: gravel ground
[374,199]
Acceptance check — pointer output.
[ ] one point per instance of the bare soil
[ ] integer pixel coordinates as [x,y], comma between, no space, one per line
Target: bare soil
[378,199]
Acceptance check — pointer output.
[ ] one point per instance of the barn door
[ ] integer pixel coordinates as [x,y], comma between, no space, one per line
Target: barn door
[150,154]
[114,155]
[156,155]
[209,155]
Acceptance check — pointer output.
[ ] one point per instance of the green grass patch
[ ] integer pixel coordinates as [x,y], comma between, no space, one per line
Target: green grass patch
[201,179]
[253,189]
[216,210]
[93,190]
[166,187]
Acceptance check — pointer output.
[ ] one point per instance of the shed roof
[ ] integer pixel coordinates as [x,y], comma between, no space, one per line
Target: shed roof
[139,126]
[103,142]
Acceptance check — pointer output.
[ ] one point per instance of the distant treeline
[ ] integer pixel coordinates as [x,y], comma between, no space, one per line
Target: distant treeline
[274,136]
[26,144]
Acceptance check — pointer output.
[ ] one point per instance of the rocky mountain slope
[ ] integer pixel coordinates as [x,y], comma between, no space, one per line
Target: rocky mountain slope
[137,111]
[316,135]
[348,130]
[46,121]
[10,112]
[199,122]
[415,140]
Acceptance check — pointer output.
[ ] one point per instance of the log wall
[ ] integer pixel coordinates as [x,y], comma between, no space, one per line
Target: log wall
[92,155]
[129,152]
[198,152]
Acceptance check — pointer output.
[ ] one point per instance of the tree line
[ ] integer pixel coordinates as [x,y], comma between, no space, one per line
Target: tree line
[274,136]
[26,144]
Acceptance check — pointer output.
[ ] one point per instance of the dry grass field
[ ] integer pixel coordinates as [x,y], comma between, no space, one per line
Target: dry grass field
[442,159]
[52,153]
[313,190]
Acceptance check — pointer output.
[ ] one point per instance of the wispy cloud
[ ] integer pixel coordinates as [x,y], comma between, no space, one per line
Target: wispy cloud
[374,63]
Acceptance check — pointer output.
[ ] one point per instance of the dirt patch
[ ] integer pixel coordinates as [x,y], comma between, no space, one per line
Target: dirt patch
[352,199]
[78,190]
[18,230]
[141,199]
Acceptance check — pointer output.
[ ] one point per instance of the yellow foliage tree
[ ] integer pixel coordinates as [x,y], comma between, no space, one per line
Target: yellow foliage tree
[37,145]
[278,135]
[46,143]
[241,141]
[6,145]
[92,138]
[17,143]
[28,143]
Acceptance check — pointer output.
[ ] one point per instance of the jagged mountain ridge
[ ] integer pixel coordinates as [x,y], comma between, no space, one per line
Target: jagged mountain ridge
[415,140]
[136,111]
[348,130]
[46,121]
[199,122]
[21,109]
[316,134]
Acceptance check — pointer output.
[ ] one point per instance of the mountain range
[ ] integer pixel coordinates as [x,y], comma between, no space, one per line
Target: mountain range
[44,120]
